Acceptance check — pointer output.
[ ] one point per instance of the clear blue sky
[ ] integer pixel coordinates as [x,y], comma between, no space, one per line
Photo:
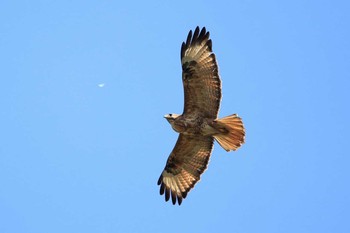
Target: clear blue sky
[76,157]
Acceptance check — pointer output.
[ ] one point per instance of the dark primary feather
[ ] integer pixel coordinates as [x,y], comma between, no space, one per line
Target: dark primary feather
[201,81]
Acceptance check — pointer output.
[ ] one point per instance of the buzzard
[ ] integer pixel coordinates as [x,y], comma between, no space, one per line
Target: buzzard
[199,124]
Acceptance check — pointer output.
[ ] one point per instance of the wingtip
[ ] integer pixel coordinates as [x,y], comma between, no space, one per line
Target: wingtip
[179,200]
[167,194]
[160,180]
[162,189]
[189,37]
[173,198]
[183,49]
[195,36]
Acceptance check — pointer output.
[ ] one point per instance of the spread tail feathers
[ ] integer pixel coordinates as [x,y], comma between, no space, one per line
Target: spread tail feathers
[232,132]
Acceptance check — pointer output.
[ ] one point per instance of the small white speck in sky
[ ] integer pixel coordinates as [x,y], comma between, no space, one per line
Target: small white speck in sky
[101,85]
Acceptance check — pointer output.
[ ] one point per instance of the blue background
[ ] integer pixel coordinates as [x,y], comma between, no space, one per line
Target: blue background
[77,157]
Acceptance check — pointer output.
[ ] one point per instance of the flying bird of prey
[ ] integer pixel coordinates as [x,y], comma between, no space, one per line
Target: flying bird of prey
[199,124]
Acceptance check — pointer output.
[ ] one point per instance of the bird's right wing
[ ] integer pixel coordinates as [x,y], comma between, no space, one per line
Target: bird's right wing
[186,163]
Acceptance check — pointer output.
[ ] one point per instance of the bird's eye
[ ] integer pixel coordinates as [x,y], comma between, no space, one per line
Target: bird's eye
[170,114]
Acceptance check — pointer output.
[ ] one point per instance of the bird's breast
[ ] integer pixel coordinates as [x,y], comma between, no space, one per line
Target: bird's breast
[187,126]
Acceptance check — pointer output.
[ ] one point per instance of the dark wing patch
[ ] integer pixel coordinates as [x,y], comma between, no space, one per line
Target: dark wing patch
[200,75]
[186,163]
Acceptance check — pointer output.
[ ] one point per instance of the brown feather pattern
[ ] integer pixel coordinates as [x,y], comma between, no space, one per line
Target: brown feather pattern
[186,163]
[200,75]
[202,92]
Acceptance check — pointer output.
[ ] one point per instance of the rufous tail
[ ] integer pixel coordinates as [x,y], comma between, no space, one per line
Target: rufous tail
[232,132]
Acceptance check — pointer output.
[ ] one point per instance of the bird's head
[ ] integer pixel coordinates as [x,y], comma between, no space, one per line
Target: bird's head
[171,117]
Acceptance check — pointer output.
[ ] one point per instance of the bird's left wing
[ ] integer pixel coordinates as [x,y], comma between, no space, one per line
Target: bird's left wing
[186,163]
[200,75]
